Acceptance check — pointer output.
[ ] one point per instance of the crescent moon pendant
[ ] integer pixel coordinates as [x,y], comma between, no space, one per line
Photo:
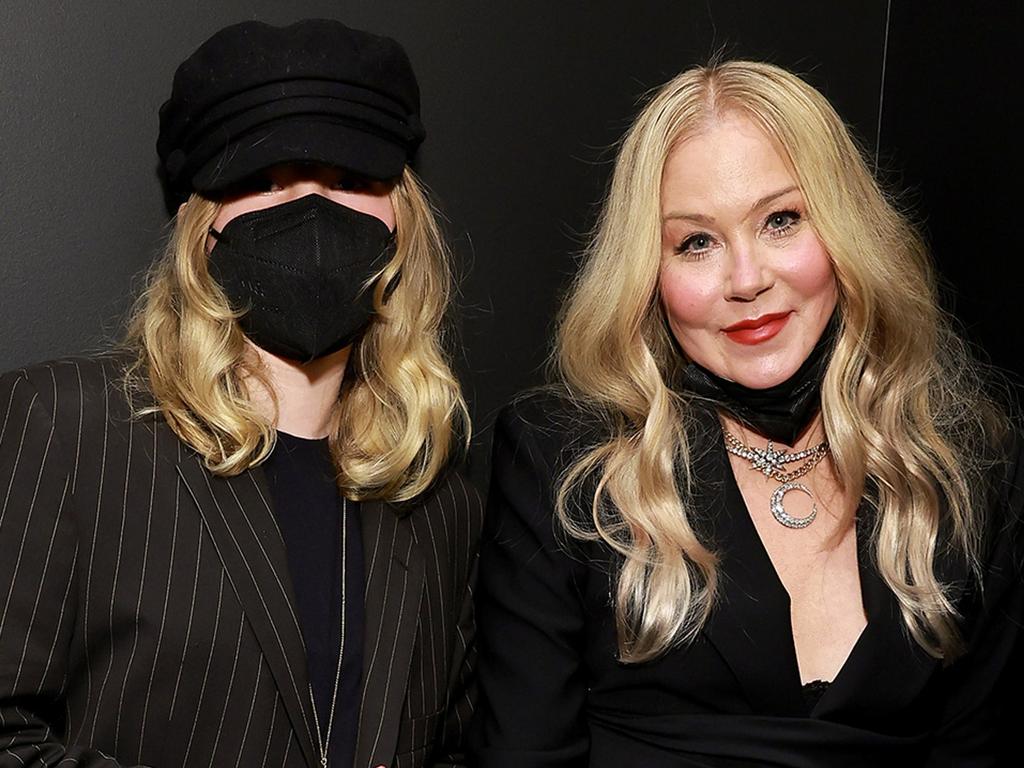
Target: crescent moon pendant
[779,512]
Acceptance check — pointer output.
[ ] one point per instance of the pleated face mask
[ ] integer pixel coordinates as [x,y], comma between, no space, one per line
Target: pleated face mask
[302,272]
[781,412]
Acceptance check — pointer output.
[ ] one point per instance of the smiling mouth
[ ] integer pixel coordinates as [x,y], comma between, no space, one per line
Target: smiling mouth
[757,330]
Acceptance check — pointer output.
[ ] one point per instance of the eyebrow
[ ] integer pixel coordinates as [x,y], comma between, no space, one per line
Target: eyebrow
[700,218]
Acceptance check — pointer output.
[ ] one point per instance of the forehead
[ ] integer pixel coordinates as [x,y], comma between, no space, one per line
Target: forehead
[729,162]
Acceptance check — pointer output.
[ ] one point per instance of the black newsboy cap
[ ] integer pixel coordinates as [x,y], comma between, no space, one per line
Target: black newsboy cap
[254,95]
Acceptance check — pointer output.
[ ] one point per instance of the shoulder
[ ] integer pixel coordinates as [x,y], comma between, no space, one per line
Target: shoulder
[453,493]
[538,438]
[545,411]
[1011,485]
[69,389]
[452,510]
[87,371]
[1005,514]
[548,428]
[999,524]
[61,418]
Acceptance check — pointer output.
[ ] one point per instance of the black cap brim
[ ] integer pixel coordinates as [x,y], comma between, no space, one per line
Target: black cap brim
[301,140]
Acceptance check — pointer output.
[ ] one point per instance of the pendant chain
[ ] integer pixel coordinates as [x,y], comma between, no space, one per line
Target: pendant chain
[322,743]
[772,464]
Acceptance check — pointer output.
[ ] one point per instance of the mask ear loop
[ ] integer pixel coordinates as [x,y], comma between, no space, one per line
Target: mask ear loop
[218,238]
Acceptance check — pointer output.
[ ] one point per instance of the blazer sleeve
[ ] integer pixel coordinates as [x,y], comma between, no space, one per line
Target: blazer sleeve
[38,583]
[983,709]
[530,615]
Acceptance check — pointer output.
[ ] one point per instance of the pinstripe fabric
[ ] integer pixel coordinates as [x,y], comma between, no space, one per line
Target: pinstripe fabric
[146,614]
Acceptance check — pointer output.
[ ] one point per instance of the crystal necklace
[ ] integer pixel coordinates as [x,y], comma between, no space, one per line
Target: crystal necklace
[323,741]
[772,463]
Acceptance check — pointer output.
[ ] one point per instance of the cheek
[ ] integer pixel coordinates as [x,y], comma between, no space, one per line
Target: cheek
[811,273]
[231,209]
[235,207]
[688,300]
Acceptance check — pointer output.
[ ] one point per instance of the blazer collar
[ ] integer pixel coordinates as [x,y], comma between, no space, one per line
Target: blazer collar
[237,514]
[750,623]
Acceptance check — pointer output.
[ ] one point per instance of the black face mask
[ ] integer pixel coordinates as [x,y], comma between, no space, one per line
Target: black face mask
[300,272]
[780,413]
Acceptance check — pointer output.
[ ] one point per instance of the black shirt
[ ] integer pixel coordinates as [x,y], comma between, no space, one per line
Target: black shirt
[310,511]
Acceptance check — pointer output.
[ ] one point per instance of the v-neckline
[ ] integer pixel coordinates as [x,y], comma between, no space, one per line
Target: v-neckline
[745,529]
[750,624]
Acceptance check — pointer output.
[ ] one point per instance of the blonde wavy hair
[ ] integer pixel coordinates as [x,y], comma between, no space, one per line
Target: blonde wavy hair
[400,415]
[902,401]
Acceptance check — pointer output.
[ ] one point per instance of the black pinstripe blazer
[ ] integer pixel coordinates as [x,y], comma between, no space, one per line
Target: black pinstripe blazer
[146,614]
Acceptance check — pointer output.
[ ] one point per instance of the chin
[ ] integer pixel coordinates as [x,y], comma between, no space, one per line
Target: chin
[765,374]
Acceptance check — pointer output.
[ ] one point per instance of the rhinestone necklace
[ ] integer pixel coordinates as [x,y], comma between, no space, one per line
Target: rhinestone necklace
[323,741]
[772,464]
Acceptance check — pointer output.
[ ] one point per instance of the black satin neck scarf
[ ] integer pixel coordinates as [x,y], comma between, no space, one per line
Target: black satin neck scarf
[781,412]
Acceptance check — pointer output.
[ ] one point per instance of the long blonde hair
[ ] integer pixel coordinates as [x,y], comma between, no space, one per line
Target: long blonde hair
[902,405]
[400,415]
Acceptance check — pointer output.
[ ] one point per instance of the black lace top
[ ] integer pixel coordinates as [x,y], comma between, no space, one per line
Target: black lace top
[813,691]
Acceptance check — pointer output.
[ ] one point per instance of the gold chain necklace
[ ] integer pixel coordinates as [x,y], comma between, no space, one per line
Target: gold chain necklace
[324,744]
[772,463]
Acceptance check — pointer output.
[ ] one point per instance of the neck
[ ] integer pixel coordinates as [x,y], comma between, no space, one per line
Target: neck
[305,392]
[812,434]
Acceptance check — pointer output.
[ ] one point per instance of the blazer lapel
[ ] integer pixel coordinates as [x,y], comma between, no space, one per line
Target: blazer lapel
[750,624]
[886,670]
[394,588]
[241,523]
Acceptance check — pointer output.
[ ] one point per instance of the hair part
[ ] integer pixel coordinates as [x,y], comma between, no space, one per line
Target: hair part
[903,401]
[400,416]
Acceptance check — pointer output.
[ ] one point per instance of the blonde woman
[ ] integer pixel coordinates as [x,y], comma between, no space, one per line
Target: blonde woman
[241,543]
[768,516]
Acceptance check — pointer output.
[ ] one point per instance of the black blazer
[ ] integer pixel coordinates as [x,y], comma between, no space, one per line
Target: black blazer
[553,694]
[146,614]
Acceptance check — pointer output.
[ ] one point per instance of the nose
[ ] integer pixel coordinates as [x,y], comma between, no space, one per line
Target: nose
[303,187]
[749,274]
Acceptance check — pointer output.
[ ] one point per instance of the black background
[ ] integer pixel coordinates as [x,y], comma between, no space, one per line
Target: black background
[523,103]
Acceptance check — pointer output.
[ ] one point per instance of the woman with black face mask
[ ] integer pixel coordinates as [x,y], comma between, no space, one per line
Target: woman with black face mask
[239,541]
[767,515]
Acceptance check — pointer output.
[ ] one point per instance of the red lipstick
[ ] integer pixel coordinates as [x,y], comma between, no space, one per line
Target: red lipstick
[757,330]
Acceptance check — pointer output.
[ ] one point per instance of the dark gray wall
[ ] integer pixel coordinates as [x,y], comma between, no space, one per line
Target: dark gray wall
[951,129]
[522,101]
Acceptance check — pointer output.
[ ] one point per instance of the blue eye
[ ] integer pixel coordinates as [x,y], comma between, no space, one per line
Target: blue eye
[695,246]
[781,221]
